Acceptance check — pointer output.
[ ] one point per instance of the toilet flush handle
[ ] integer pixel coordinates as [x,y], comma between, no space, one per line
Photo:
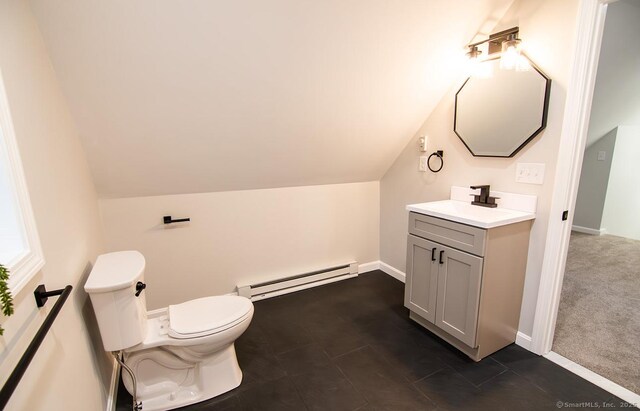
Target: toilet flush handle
[139,287]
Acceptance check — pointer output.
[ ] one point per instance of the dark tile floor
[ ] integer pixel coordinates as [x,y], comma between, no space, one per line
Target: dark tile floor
[351,346]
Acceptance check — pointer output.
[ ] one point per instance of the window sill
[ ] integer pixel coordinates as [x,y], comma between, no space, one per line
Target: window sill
[23,271]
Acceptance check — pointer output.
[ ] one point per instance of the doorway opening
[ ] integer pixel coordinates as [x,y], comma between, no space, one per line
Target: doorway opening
[597,325]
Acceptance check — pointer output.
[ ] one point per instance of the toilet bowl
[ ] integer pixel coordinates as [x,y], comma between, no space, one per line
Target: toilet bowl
[181,354]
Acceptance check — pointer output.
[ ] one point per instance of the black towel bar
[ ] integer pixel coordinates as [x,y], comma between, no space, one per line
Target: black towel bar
[41,295]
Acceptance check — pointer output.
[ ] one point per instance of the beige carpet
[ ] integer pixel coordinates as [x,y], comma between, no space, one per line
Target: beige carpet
[599,317]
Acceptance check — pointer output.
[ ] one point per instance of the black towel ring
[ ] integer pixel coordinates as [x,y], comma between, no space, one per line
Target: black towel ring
[439,154]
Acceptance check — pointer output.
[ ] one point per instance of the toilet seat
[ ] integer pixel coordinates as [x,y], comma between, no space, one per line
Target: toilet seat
[206,316]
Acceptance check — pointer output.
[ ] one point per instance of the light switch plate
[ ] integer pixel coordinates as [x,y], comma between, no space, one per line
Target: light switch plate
[602,155]
[422,166]
[530,173]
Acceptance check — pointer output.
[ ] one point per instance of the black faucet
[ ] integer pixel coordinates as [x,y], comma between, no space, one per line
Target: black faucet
[484,199]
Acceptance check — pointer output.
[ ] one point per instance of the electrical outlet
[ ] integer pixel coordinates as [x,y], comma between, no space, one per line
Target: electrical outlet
[602,155]
[422,166]
[530,173]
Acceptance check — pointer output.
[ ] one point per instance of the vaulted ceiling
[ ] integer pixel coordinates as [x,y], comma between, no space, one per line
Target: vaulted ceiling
[210,95]
[616,98]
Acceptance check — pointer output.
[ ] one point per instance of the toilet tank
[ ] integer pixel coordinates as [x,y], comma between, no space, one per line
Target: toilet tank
[121,315]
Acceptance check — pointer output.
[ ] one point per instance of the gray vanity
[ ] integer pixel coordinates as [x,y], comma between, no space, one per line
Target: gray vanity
[466,267]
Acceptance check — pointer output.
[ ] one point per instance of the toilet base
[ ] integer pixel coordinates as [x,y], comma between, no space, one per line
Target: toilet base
[166,382]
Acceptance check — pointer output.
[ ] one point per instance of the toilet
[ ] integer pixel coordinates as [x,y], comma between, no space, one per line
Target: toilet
[181,354]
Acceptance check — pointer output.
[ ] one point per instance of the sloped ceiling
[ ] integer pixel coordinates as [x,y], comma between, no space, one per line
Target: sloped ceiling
[616,98]
[200,95]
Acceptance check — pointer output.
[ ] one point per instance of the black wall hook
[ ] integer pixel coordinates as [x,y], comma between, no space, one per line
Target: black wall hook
[168,220]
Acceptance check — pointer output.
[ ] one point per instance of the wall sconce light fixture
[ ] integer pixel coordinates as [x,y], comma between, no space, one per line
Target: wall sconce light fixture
[507,44]
[475,67]
[510,52]
[474,53]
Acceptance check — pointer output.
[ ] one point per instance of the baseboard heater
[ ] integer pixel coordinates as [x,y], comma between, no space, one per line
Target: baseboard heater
[286,285]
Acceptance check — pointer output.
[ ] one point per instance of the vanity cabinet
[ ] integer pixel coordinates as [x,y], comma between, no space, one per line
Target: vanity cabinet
[465,283]
[444,287]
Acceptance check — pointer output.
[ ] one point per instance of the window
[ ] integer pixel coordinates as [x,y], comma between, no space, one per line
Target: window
[20,248]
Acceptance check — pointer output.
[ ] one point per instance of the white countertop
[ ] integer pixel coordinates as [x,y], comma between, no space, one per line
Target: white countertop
[466,213]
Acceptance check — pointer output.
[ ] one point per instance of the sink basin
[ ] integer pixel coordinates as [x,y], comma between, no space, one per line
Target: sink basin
[465,213]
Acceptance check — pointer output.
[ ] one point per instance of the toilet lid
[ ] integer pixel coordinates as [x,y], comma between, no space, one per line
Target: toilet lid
[205,316]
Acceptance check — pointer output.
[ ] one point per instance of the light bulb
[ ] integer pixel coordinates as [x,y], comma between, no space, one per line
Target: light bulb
[475,66]
[510,53]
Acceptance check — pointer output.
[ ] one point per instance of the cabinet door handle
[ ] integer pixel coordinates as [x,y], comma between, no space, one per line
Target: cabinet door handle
[441,254]
[433,254]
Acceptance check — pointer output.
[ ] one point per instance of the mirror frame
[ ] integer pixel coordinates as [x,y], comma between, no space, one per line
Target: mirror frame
[545,111]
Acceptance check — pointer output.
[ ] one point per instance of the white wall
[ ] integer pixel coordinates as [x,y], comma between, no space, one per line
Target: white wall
[620,216]
[547,29]
[616,102]
[70,370]
[243,236]
[594,179]
[616,97]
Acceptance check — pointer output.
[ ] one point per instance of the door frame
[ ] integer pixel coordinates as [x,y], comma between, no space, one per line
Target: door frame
[573,138]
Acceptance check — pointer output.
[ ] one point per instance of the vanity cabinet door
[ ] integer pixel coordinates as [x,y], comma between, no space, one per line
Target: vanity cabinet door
[458,297]
[422,277]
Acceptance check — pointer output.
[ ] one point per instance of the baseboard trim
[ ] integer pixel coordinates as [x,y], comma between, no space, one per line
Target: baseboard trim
[367,267]
[587,230]
[523,340]
[393,272]
[113,387]
[602,382]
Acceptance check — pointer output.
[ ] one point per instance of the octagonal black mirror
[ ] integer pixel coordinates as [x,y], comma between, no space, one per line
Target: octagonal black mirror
[497,115]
